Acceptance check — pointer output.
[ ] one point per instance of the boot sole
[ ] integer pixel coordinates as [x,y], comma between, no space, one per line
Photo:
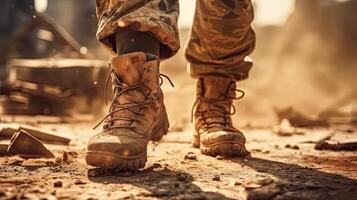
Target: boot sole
[229,149]
[108,160]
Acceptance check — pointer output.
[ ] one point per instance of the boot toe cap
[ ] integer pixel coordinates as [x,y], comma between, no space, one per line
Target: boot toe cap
[223,137]
[124,145]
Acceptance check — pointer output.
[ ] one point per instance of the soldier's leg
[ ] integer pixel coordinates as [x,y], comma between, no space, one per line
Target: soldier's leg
[221,39]
[152,20]
[139,32]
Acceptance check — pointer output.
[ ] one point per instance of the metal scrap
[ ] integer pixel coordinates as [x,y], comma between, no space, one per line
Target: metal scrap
[44,135]
[27,146]
[347,146]
[339,146]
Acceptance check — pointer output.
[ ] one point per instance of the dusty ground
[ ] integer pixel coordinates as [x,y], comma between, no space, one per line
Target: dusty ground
[272,172]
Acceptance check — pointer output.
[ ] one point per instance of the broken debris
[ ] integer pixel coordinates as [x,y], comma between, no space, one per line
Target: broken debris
[298,119]
[286,129]
[44,135]
[347,146]
[27,146]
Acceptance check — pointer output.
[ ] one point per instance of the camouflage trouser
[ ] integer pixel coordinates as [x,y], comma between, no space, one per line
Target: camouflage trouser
[221,34]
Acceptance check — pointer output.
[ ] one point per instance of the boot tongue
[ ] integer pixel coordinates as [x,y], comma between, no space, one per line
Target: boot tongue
[216,87]
[130,67]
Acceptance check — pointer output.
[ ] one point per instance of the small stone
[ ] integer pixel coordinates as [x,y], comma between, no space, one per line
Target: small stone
[57,184]
[190,156]
[216,177]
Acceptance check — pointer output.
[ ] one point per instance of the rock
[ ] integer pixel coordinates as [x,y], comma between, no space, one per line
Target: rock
[216,177]
[57,184]
[190,156]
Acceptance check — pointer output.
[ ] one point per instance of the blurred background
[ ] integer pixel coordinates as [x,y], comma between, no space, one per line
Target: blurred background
[305,61]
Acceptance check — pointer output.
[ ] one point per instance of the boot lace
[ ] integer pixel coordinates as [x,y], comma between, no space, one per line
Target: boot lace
[218,109]
[115,106]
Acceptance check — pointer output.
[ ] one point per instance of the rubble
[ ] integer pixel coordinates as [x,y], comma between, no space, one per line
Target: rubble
[297,119]
[322,144]
[27,146]
[286,129]
[44,135]
[347,146]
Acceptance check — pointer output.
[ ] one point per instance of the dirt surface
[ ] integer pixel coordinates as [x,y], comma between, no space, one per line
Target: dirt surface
[175,170]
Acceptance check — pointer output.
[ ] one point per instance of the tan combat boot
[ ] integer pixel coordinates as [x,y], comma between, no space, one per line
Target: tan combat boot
[215,133]
[137,115]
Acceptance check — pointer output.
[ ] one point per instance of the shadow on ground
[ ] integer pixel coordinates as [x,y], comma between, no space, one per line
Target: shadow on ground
[297,182]
[163,184]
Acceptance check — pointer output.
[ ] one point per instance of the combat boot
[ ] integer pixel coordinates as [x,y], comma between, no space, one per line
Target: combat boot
[215,133]
[136,116]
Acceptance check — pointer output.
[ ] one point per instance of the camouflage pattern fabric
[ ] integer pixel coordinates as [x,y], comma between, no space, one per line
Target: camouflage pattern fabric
[221,36]
[159,17]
